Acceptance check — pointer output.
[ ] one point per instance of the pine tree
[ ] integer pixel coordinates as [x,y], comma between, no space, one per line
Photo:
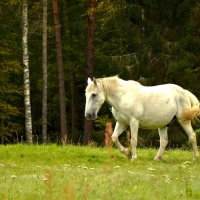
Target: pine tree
[63,116]
[90,58]
[44,68]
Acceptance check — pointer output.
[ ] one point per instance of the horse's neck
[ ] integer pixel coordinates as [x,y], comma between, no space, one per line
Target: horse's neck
[124,87]
[114,98]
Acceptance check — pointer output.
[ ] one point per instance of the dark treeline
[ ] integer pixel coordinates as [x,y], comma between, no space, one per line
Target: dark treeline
[152,41]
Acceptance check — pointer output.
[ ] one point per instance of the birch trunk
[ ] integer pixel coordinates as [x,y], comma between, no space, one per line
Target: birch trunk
[27,102]
[44,70]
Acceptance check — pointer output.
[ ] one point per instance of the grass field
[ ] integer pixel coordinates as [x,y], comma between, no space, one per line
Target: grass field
[74,172]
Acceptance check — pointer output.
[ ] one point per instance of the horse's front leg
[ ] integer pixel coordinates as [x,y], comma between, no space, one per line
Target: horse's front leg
[134,124]
[119,128]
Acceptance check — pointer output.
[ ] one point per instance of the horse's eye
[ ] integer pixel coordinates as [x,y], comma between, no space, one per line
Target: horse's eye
[94,95]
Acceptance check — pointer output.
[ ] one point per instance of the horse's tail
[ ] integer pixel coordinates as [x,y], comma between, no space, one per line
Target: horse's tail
[194,112]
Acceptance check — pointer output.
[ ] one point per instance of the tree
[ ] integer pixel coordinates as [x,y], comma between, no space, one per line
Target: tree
[74,113]
[90,56]
[157,40]
[63,116]
[27,102]
[44,69]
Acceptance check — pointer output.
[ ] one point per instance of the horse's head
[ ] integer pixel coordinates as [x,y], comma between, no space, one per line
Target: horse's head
[95,97]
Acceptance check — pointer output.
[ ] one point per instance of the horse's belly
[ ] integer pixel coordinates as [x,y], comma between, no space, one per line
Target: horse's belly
[156,122]
[153,124]
[151,118]
[158,115]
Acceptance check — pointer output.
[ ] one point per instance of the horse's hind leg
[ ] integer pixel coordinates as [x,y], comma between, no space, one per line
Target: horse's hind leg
[134,124]
[163,142]
[119,128]
[192,136]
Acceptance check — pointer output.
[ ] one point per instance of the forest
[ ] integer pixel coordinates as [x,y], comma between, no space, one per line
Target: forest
[150,41]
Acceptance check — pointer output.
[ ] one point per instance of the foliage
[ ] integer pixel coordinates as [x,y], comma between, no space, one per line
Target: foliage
[100,122]
[11,76]
[155,40]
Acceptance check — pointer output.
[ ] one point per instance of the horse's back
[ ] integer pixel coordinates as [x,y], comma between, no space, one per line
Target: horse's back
[171,96]
[162,103]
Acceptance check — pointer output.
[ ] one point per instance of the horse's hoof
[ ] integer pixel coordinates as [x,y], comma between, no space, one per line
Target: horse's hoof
[157,158]
[127,152]
[129,156]
[133,158]
[196,158]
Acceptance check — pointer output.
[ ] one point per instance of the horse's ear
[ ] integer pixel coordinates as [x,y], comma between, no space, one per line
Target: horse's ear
[95,81]
[89,81]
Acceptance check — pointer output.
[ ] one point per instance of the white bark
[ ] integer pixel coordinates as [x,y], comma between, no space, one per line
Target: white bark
[27,104]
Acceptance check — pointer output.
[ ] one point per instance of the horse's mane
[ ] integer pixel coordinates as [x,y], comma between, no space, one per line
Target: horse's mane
[109,84]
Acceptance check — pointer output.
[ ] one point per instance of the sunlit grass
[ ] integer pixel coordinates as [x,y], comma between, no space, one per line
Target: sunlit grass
[74,172]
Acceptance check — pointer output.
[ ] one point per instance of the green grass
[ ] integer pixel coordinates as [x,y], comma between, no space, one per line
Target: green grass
[74,172]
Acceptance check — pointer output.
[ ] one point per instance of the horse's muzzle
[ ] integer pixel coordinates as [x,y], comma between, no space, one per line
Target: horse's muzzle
[90,116]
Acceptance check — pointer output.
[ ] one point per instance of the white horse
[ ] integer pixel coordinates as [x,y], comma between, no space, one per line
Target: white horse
[137,106]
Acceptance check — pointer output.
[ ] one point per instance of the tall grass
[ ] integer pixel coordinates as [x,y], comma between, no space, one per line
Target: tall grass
[74,172]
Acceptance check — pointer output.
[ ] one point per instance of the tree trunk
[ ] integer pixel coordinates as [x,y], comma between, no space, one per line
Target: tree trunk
[27,102]
[74,114]
[90,56]
[90,37]
[63,116]
[44,69]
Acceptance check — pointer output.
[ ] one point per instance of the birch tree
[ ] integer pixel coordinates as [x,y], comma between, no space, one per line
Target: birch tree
[27,102]
[44,69]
